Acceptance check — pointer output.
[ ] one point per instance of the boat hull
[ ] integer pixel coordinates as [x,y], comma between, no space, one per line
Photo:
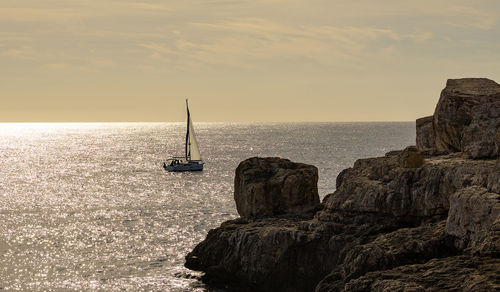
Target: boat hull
[184,166]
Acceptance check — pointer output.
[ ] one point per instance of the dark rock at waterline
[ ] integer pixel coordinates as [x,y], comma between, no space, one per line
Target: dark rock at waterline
[264,254]
[275,186]
[414,220]
[185,275]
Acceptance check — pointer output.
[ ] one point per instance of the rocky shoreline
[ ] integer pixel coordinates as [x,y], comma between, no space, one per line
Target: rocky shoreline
[423,219]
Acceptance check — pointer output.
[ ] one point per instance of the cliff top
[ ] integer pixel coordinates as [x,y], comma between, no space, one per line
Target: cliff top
[473,86]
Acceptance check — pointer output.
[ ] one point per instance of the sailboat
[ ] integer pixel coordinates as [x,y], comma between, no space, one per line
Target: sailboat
[192,158]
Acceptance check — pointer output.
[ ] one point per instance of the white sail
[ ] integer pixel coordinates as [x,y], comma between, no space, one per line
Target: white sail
[192,150]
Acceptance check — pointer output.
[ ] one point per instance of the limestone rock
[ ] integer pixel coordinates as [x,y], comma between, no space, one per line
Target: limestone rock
[262,255]
[425,134]
[473,211]
[381,217]
[294,254]
[490,246]
[467,118]
[401,247]
[398,248]
[275,186]
[411,158]
[481,139]
[456,273]
[381,186]
[394,223]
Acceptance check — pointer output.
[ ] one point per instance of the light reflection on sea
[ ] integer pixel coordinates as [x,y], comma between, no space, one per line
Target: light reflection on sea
[89,207]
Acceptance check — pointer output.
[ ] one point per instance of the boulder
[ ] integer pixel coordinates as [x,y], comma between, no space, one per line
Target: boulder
[467,118]
[275,186]
[265,254]
[411,158]
[425,134]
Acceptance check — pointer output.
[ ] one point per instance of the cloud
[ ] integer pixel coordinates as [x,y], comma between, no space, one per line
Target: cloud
[26,14]
[24,52]
[57,66]
[420,37]
[473,17]
[158,48]
[248,34]
[32,11]
[241,42]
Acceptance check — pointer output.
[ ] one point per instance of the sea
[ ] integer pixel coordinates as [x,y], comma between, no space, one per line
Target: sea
[88,206]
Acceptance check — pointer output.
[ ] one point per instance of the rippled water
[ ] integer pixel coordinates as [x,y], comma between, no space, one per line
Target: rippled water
[89,207]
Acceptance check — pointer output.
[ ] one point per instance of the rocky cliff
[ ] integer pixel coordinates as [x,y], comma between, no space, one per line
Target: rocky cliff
[466,119]
[275,186]
[425,218]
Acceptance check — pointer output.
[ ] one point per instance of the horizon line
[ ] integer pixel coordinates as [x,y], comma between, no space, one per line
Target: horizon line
[199,122]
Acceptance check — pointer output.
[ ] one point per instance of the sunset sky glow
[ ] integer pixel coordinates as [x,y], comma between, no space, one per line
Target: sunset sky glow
[274,60]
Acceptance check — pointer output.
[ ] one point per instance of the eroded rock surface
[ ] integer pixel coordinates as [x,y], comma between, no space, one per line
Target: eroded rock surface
[382,216]
[466,119]
[425,134]
[413,220]
[404,246]
[262,255]
[275,186]
[456,273]
[380,185]
[473,213]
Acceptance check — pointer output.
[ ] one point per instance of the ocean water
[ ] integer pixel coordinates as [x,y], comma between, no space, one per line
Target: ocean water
[89,207]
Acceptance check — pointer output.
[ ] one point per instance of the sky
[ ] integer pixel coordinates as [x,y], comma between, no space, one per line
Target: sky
[239,61]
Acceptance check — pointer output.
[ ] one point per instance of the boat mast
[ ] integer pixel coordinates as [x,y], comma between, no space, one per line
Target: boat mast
[188,142]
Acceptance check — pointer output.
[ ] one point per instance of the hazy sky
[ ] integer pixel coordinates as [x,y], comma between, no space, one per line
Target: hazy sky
[273,60]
